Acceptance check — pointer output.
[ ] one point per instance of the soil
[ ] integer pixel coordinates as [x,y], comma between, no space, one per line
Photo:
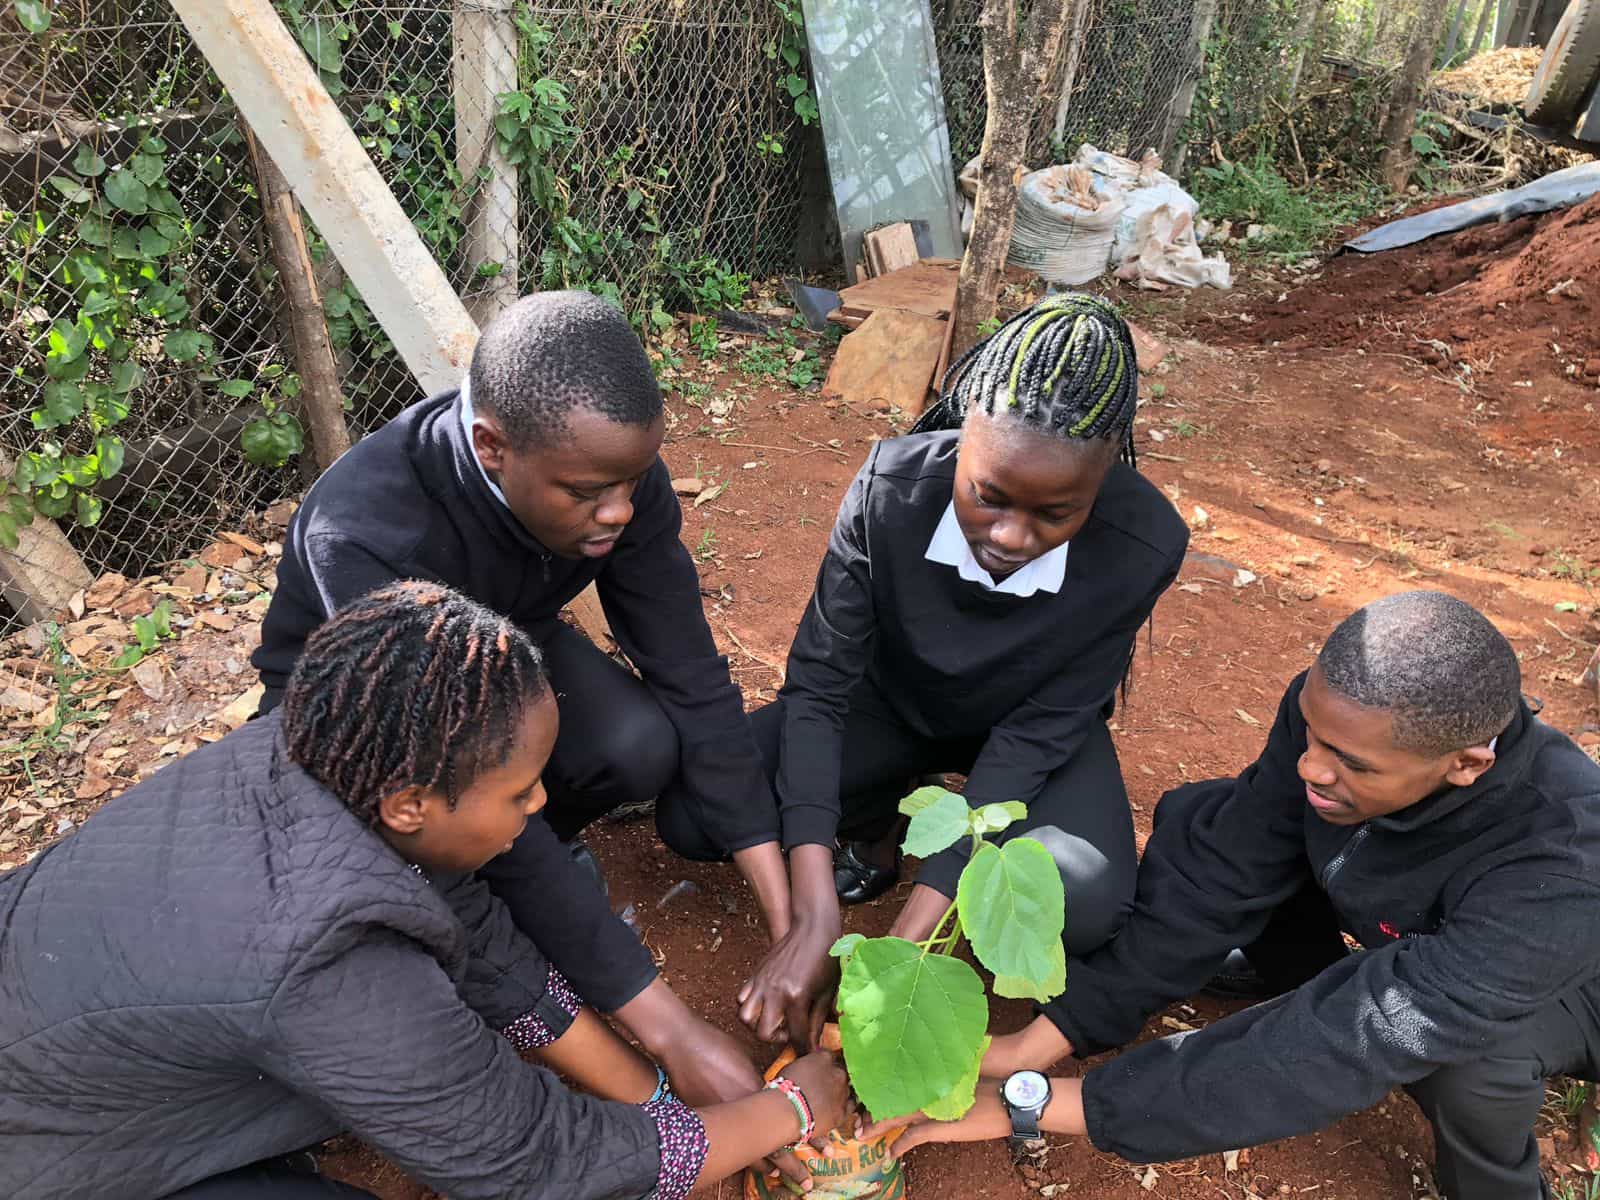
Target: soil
[1324,456]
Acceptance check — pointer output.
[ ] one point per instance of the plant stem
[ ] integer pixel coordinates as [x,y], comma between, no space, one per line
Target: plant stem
[935,937]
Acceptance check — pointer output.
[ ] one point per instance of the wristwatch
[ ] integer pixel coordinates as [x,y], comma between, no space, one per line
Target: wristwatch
[1025,1095]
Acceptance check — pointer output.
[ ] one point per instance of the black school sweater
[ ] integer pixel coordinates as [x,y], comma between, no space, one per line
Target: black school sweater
[409,502]
[1478,907]
[951,658]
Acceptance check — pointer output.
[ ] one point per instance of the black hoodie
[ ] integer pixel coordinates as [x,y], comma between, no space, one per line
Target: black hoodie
[410,502]
[1478,907]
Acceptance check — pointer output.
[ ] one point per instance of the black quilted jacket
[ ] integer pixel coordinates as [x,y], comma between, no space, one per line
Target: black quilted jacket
[224,965]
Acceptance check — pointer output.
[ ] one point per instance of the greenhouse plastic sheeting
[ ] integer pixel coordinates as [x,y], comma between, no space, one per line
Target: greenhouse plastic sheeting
[1561,189]
[883,123]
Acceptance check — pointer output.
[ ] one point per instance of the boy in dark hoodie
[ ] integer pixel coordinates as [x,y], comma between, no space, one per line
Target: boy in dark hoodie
[1406,796]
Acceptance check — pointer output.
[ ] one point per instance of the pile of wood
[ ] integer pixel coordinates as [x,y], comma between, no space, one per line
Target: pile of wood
[900,323]
[1496,77]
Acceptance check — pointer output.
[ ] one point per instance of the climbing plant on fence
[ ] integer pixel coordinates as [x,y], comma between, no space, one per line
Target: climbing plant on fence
[151,391]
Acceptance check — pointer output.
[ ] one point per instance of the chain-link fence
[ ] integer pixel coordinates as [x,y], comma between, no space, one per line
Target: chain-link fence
[662,154]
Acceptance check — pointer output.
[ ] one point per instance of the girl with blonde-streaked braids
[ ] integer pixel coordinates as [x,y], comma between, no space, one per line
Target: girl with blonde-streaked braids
[976,612]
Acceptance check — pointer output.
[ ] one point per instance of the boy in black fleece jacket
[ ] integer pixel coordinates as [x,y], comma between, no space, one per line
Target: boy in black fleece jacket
[540,476]
[1408,796]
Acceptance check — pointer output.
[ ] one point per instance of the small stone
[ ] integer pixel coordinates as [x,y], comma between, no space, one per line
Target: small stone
[278,513]
[248,544]
[1591,367]
[688,486]
[1538,550]
[1324,466]
[105,590]
[220,554]
[191,579]
[135,603]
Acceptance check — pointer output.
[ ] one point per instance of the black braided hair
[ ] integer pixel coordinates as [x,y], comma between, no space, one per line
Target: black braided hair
[1066,367]
[412,685]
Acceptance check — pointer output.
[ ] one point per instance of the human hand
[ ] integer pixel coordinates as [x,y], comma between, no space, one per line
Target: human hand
[987,1119]
[793,987]
[821,1078]
[1038,1046]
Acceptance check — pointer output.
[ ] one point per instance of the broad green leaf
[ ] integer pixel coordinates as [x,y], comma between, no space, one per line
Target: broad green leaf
[125,376]
[147,168]
[87,163]
[921,799]
[911,1024]
[161,618]
[125,245]
[34,14]
[152,244]
[62,404]
[110,452]
[272,441]
[125,190]
[56,502]
[953,1105]
[846,945]
[185,345]
[317,36]
[67,341]
[94,231]
[1012,908]
[89,509]
[145,630]
[71,190]
[237,388]
[939,824]
[131,656]
[8,531]
[992,818]
[796,85]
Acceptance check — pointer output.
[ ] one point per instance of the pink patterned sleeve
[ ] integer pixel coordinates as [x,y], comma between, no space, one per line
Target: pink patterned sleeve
[683,1146]
[548,1019]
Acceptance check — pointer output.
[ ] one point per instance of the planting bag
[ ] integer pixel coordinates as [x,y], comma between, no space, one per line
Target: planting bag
[1055,237]
[854,1171]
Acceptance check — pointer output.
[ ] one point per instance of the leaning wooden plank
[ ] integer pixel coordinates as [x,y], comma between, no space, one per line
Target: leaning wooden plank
[927,287]
[281,97]
[892,247]
[44,571]
[889,360]
[937,381]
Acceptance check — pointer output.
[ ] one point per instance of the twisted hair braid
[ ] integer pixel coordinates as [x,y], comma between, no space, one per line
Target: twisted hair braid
[412,685]
[1066,367]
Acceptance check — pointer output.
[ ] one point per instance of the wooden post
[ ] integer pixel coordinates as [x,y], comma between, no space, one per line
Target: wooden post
[1454,38]
[42,573]
[1485,15]
[1205,13]
[321,403]
[1426,34]
[281,97]
[1307,15]
[483,67]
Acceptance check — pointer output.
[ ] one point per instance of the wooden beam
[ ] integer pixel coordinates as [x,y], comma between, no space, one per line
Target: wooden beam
[321,402]
[42,573]
[483,67]
[281,97]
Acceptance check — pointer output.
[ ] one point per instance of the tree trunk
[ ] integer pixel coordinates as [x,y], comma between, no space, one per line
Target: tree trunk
[483,67]
[1014,65]
[1205,14]
[1485,19]
[1454,39]
[1306,20]
[1397,126]
[1069,68]
[321,403]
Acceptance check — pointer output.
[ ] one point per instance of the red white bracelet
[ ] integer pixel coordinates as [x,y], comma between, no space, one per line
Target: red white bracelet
[802,1108]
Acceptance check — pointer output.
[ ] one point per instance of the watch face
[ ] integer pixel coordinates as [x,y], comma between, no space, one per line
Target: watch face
[1026,1089]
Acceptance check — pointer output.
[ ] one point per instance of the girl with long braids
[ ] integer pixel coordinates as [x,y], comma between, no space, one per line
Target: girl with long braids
[281,936]
[976,612]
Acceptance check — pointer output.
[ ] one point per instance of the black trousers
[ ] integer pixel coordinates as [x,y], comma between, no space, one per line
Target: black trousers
[1081,815]
[616,745]
[264,1182]
[1482,1112]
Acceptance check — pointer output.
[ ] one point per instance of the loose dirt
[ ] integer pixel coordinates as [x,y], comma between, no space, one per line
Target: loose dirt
[1315,445]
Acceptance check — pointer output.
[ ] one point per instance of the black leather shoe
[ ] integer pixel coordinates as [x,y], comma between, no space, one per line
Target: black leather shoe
[857,880]
[1236,979]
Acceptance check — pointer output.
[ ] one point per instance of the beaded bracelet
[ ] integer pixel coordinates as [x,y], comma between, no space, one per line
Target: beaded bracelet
[802,1108]
[663,1087]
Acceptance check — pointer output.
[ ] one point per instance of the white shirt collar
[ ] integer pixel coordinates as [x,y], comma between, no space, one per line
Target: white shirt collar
[950,548]
[466,424]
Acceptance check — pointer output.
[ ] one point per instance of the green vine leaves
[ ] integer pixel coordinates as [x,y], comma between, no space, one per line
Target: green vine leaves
[911,1015]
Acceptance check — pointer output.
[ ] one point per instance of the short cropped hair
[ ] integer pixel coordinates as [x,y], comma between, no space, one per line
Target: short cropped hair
[553,352]
[1448,678]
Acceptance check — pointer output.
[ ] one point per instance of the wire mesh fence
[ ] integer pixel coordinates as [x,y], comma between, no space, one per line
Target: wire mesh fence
[660,154]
